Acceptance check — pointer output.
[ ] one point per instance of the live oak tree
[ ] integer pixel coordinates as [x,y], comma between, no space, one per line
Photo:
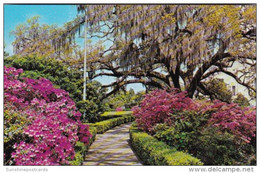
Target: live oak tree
[167,46]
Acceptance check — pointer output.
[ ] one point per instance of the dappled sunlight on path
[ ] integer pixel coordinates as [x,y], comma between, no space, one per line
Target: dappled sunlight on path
[112,148]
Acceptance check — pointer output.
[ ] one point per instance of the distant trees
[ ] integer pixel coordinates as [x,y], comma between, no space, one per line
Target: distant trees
[41,39]
[126,99]
[218,90]
[241,100]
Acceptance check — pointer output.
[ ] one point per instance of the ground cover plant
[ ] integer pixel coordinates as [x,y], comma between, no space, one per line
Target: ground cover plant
[42,125]
[218,133]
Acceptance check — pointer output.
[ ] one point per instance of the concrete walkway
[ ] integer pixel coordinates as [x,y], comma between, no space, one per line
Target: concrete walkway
[112,148]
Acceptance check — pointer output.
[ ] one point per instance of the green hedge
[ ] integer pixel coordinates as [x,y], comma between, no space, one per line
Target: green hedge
[105,125]
[81,148]
[93,131]
[154,152]
[109,115]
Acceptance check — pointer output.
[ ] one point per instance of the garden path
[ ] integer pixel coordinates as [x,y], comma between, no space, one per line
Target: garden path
[112,148]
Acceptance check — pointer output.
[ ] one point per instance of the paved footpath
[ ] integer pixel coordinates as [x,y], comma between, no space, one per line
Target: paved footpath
[112,148]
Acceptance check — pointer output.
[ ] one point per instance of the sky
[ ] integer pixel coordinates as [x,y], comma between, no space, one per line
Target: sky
[49,14]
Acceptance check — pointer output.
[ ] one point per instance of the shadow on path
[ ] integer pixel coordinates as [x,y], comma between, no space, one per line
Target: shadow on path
[112,148]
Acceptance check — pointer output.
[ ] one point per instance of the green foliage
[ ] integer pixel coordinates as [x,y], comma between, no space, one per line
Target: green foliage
[105,125]
[78,160]
[219,90]
[215,148]
[109,115]
[90,108]
[63,77]
[93,131]
[241,100]
[128,99]
[154,152]
[80,149]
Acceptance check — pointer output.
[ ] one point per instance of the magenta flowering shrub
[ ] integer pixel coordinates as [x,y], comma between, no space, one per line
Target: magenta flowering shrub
[158,106]
[52,125]
[241,122]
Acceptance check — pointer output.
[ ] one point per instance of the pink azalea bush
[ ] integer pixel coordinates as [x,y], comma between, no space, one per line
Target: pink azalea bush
[52,125]
[241,122]
[158,106]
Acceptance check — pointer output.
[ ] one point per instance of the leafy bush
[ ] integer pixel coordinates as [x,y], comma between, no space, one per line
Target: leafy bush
[154,152]
[93,131]
[48,126]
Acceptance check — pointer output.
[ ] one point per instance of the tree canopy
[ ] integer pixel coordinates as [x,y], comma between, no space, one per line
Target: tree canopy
[167,46]
[219,90]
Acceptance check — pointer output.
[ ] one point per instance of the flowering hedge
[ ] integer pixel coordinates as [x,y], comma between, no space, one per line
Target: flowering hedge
[51,127]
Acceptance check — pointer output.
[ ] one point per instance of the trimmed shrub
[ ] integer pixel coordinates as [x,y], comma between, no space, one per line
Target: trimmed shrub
[105,125]
[93,131]
[154,152]
[109,115]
